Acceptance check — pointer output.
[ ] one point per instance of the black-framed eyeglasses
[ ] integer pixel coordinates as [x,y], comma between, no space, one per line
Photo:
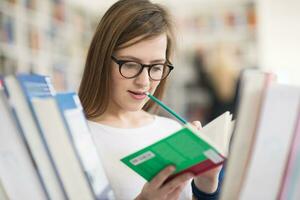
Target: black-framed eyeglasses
[131,69]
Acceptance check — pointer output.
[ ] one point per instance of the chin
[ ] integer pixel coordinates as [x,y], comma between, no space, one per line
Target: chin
[134,108]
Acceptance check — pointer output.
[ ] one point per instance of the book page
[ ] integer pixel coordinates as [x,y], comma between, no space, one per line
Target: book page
[218,133]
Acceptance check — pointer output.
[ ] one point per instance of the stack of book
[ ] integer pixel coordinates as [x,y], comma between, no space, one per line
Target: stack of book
[46,149]
[264,156]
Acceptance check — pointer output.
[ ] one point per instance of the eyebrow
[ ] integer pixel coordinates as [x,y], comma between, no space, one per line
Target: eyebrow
[132,58]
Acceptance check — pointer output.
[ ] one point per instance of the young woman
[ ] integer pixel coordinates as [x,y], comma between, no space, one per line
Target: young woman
[131,54]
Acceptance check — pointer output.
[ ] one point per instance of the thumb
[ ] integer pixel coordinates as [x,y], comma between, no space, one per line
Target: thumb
[197,124]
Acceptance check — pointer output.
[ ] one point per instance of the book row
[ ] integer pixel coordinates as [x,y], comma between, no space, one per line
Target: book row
[46,149]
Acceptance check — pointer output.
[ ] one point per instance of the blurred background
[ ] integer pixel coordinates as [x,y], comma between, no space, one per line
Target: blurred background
[217,40]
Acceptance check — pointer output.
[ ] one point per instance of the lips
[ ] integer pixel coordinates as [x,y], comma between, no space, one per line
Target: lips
[136,92]
[138,95]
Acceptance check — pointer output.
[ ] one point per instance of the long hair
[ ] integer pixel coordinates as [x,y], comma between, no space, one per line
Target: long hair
[124,21]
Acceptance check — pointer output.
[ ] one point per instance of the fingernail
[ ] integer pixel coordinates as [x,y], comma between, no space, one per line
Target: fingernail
[172,168]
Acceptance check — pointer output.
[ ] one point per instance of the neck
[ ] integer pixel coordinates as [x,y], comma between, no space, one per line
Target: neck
[124,119]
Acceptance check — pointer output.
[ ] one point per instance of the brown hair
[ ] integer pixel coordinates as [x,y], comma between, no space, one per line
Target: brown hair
[124,21]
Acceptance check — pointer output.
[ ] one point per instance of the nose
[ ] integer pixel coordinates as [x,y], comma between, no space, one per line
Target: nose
[143,79]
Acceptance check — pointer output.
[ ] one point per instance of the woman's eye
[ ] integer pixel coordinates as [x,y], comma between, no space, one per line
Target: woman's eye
[131,65]
[157,68]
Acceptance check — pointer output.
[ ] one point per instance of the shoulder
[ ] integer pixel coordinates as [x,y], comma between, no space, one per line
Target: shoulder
[94,126]
[91,123]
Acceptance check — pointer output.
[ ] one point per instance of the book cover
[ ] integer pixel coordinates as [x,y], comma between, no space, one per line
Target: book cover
[188,149]
[274,135]
[251,94]
[83,143]
[19,90]
[291,179]
[16,166]
[65,159]
[3,195]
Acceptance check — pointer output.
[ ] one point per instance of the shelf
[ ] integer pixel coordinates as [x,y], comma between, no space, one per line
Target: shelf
[44,40]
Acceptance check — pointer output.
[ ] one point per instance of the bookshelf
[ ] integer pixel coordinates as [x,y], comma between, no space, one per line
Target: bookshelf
[38,36]
[228,30]
[29,155]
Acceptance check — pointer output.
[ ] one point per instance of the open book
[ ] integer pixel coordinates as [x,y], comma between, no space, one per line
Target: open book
[188,149]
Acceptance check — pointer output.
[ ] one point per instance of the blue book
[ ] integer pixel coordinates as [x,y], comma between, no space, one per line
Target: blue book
[35,86]
[61,148]
[20,90]
[17,168]
[82,141]
[41,98]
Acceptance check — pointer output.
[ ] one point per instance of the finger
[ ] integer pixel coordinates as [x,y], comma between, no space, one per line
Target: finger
[169,186]
[197,124]
[162,176]
[176,193]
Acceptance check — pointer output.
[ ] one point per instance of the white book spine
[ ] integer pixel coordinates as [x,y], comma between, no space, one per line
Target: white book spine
[33,139]
[274,134]
[60,147]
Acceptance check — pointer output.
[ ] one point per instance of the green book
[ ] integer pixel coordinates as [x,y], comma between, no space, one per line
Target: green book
[188,149]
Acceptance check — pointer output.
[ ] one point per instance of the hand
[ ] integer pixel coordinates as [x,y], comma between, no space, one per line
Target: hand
[208,181]
[157,189]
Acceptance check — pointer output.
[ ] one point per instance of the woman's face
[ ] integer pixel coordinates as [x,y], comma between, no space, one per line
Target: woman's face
[128,94]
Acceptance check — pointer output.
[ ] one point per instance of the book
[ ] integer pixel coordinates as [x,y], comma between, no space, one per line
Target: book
[72,111]
[188,149]
[291,180]
[275,131]
[251,94]
[3,195]
[61,149]
[19,99]
[16,166]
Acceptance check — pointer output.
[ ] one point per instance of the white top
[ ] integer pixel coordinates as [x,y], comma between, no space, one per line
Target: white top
[115,143]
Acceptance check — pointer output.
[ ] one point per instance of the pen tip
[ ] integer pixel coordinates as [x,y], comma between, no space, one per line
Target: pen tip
[147,93]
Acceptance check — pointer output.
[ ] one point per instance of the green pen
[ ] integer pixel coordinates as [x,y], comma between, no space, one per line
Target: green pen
[166,108]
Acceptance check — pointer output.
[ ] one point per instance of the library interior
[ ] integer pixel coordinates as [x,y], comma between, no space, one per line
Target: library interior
[235,69]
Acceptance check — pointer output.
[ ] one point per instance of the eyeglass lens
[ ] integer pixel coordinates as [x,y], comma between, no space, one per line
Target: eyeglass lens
[132,69]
